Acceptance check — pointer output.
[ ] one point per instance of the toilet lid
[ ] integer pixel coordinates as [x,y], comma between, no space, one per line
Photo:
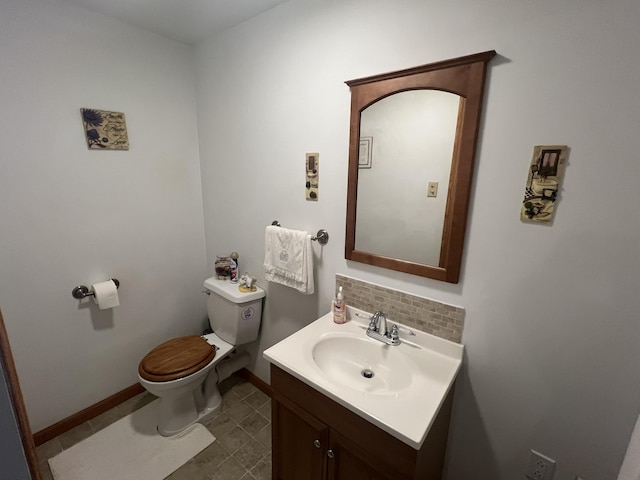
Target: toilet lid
[176,358]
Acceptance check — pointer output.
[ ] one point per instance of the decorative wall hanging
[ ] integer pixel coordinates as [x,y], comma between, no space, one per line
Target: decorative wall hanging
[105,130]
[546,172]
[312,162]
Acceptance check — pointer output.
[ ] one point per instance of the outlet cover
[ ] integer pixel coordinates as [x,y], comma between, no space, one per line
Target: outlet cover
[540,467]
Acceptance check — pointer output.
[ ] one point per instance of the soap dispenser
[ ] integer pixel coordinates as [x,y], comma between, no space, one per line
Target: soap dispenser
[339,307]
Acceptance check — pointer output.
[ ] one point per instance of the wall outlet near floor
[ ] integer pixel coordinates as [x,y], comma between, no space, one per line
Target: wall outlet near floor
[540,467]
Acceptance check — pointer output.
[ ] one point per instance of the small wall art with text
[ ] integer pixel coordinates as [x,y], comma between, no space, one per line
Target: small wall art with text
[105,130]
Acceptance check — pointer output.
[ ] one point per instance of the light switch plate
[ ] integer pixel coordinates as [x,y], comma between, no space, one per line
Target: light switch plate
[312,167]
[432,190]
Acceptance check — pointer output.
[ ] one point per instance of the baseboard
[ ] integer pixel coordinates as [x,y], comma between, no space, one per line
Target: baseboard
[88,413]
[255,380]
[102,406]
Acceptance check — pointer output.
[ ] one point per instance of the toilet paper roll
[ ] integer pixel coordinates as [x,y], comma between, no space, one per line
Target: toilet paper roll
[105,294]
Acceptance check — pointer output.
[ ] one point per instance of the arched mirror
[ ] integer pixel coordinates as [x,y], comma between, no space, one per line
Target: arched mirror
[413,138]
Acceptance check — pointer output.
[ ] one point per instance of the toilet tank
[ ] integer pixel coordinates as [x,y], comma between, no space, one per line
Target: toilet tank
[233,315]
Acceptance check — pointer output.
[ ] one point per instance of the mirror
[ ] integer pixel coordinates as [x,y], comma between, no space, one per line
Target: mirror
[413,137]
[413,125]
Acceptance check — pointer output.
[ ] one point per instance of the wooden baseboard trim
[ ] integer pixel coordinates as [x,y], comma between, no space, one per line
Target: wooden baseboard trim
[255,380]
[88,413]
[102,406]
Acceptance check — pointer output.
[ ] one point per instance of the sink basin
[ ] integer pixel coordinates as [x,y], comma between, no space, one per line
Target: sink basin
[398,388]
[362,364]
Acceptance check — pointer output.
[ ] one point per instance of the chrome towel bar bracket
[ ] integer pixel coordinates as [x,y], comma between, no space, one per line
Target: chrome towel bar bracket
[322,237]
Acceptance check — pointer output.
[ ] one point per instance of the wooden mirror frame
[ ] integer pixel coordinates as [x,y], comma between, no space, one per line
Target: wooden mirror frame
[463,76]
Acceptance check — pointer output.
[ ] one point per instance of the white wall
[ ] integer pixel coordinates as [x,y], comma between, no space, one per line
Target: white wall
[73,216]
[551,328]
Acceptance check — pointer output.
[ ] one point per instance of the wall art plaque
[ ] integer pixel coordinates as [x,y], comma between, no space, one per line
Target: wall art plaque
[105,130]
[546,172]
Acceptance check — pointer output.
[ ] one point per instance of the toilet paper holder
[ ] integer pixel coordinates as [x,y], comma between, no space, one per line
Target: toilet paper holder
[82,291]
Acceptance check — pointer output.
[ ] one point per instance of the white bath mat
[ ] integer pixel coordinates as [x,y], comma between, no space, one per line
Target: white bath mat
[130,449]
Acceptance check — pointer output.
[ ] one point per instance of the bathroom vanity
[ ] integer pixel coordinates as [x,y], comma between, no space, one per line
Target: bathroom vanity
[331,420]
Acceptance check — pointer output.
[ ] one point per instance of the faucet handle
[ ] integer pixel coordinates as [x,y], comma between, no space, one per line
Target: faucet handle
[373,321]
[394,334]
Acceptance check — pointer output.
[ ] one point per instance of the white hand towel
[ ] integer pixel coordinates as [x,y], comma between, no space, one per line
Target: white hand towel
[631,464]
[288,258]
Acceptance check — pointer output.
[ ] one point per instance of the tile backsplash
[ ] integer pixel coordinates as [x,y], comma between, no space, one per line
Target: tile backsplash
[436,318]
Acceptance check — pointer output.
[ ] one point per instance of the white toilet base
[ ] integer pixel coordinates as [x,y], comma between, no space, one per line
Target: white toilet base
[179,412]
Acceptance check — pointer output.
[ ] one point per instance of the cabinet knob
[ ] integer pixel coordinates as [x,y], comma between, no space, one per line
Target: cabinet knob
[330,453]
[316,443]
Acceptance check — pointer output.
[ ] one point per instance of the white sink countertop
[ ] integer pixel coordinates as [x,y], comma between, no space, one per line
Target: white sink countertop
[410,381]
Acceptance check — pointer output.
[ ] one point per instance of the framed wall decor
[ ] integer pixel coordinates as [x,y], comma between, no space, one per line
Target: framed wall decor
[105,130]
[366,151]
[545,174]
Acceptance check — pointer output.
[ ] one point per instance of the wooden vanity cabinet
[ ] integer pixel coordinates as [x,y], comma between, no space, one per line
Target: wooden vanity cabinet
[315,438]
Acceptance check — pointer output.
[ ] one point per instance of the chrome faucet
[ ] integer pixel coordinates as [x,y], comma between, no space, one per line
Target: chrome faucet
[378,329]
[380,319]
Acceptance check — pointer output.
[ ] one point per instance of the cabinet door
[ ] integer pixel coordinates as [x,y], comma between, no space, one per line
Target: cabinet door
[348,461]
[299,443]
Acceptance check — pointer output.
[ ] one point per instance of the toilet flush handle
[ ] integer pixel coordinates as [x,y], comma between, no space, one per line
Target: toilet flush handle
[207,292]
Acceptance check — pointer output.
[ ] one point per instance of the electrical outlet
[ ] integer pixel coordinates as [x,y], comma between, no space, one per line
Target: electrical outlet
[432,190]
[540,467]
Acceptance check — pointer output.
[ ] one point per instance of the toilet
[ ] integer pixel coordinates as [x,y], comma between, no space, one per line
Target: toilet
[184,372]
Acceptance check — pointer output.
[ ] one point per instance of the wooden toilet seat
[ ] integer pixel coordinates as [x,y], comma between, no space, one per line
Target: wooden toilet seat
[176,358]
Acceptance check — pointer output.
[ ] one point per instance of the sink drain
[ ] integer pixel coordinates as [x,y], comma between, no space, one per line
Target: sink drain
[366,373]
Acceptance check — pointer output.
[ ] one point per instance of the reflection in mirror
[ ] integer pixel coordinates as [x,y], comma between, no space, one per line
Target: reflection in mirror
[411,137]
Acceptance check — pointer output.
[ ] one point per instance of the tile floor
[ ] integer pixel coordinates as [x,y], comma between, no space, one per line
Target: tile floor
[242,427]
